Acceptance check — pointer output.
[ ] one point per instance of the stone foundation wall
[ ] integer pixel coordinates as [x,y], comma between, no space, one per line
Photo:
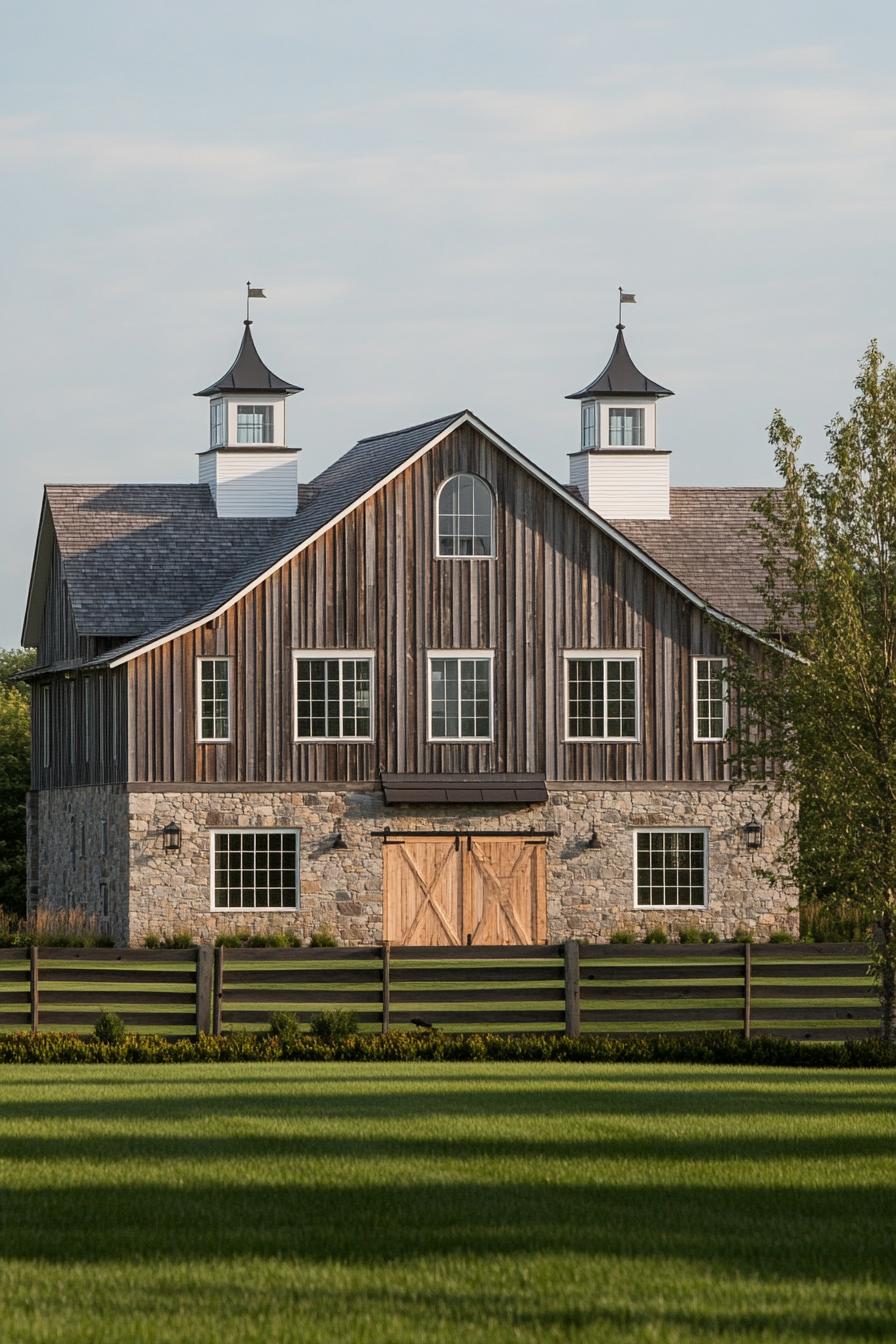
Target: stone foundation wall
[66,858]
[590,892]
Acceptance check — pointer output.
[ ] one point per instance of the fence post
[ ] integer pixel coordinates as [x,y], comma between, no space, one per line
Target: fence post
[203,989]
[34,988]
[218,994]
[387,986]
[571,987]
[748,989]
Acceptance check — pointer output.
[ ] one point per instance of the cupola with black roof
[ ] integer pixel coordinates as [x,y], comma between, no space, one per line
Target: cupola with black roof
[618,469]
[248,466]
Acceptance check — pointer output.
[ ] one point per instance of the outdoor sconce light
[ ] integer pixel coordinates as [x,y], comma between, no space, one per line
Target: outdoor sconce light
[593,842]
[338,841]
[753,834]
[171,838]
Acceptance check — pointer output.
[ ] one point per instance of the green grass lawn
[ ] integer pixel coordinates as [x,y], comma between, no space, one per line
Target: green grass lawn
[433,1203]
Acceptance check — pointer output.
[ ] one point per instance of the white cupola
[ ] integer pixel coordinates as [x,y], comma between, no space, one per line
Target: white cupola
[247,466]
[617,468]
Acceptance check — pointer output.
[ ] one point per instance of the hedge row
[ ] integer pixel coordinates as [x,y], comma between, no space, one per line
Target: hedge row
[237,1047]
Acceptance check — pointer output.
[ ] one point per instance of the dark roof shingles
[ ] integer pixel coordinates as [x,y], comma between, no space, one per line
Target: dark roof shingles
[708,546]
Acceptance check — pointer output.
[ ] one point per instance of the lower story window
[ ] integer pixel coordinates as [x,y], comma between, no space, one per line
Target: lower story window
[670,867]
[255,870]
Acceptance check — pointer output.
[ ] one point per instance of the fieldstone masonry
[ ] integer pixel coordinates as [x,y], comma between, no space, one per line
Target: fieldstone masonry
[590,892]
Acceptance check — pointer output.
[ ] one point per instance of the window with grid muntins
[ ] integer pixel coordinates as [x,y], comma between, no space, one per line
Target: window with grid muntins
[710,694]
[589,425]
[255,424]
[670,867]
[255,870]
[602,698]
[466,517]
[627,426]
[214,699]
[217,423]
[333,698]
[460,698]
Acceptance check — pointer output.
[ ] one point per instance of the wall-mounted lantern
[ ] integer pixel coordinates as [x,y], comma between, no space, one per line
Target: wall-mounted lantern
[594,842]
[338,841]
[171,838]
[753,834]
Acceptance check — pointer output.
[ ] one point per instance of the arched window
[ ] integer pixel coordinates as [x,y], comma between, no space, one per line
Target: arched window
[466,517]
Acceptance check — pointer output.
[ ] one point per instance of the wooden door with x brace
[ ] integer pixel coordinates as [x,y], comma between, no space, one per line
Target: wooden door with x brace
[445,890]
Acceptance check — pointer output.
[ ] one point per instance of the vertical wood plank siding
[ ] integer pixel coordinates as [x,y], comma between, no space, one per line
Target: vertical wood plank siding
[73,758]
[372,582]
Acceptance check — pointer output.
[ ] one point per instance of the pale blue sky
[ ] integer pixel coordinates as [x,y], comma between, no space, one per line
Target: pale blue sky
[441,200]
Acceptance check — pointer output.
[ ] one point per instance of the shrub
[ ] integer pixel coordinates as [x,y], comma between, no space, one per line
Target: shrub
[708,936]
[742,934]
[109,1028]
[229,940]
[152,940]
[180,939]
[781,936]
[267,940]
[334,1027]
[656,936]
[285,1026]
[690,933]
[324,937]
[396,1046]
[622,936]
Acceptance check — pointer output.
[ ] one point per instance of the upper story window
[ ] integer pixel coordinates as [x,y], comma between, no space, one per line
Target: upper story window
[333,697]
[255,424]
[589,424]
[627,426]
[466,513]
[602,696]
[710,700]
[217,424]
[460,697]
[213,699]
[45,726]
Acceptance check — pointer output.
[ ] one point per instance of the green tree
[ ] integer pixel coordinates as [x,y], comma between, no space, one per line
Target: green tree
[826,710]
[15,776]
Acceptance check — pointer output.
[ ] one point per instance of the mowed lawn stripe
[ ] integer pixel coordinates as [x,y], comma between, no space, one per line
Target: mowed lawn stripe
[444,1202]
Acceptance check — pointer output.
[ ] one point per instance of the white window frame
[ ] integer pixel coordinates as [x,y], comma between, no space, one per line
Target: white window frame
[671,830]
[255,830]
[624,411]
[589,424]
[577,655]
[327,655]
[214,658]
[217,429]
[437,538]
[482,655]
[252,407]
[696,659]
[45,719]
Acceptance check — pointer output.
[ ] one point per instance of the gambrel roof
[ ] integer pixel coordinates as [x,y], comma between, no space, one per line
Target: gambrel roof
[145,563]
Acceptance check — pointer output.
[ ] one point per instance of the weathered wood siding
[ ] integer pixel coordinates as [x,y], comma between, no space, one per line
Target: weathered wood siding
[372,582]
[58,636]
[83,726]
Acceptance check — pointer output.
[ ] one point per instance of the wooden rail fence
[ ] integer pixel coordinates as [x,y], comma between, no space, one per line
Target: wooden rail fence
[805,991]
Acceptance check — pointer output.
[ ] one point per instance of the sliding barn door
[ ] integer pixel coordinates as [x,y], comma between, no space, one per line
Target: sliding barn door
[447,891]
[504,890]
[423,891]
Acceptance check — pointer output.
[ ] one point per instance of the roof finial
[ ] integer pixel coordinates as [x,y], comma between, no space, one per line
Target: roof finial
[252,294]
[623,298]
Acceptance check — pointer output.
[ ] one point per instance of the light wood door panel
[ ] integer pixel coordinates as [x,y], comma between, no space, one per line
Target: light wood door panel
[441,891]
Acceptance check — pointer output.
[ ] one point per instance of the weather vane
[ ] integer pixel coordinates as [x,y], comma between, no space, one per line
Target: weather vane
[255,294]
[624,298]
